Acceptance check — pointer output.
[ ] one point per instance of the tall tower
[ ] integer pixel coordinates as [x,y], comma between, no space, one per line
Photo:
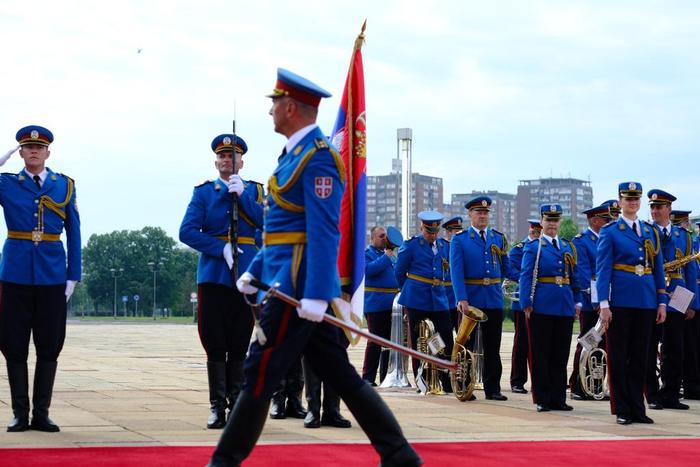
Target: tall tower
[404,149]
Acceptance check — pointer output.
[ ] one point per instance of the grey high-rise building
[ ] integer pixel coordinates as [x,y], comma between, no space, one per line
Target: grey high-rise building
[384,198]
[574,195]
[503,210]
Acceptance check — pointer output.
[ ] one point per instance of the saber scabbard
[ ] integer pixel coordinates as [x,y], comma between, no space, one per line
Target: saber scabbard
[274,292]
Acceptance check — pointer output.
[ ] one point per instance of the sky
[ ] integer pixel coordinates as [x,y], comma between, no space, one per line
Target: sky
[495,92]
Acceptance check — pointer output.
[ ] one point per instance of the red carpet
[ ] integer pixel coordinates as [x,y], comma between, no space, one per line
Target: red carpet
[656,452]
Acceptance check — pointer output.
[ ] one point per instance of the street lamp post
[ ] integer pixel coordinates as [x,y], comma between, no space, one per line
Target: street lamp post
[116,273]
[154,267]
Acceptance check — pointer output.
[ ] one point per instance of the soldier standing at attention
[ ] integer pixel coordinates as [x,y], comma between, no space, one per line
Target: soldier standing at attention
[37,275]
[452,227]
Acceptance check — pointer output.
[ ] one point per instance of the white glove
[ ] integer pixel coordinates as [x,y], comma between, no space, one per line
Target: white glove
[9,153]
[235,184]
[70,287]
[228,255]
[243,284]
[312,309]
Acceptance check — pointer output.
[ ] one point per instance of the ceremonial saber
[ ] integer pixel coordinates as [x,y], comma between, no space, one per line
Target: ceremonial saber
[274,292]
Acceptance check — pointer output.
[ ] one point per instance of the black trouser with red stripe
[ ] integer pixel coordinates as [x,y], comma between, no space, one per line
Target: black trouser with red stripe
[587,320]
[550,342]
[518,368]
[379,323]
[629,334]
[288,337]
[225,322]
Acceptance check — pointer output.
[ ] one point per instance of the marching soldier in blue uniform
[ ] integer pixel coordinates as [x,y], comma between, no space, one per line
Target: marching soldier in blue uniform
[479,262]
[452,227]
[548,293]
[380,289]
[37,275]
[691,362]
[632,293]
[422,269]
[521,342]
[224,319]
[675,243]
[300,250]
[586,244]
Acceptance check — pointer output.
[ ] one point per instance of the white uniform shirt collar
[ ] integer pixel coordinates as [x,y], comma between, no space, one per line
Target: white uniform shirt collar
[665,229]
[486,230]
[629,223]
[298,136]
[44,173]
[549,239]
[597,234]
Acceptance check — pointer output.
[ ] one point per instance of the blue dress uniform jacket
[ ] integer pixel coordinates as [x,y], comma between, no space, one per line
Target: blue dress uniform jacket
[515,260]
[304,195]
[679,244]
[451,299]
[586,244]
[422,275]
[557,278]
[51,208]
[206,224]
[477,268]
[380,281]
[634,263]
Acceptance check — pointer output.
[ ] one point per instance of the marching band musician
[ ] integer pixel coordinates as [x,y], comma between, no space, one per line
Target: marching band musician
[300,250]
[548,293]
[614,208]
[518,368]
[586,244]
[479,262]
[422,268]
[675,243]
[224,319]
[691,360]
[631,288]
[452,227]
[380,289]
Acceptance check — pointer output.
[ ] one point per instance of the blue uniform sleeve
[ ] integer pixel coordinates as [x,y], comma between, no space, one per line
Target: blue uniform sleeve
[604,264]
[374,267]
[503,259]
[515,256]
[322,214]
[403,261]
[73,246]
[659,275]
[457,269]
[191,228]
[251,203]
[526,274]
[576,280]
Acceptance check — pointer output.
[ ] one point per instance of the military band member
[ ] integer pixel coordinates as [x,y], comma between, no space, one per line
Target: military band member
[614,208]
[632,292]
[422,268]
[675,243]
[479,262]
[380,289]
[521,345]
[548,293]
[691,362]
[37,275]
[300,252]
[681,218]
[224,319]
[452,227]
[586,244]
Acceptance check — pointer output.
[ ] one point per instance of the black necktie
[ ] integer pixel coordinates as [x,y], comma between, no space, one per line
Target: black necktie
[37,180]
[666,235]
[634,227]
[554,242]
[483,236]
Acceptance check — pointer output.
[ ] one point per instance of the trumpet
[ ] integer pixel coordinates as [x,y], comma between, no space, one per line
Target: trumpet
[510,290]
[680,262]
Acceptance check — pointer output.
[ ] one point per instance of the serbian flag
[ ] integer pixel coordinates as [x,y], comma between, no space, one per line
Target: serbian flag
[350,138]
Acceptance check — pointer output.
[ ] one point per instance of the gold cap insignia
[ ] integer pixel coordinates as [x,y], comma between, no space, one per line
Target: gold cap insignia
[633,186]
[654,196]
[227,140]
[34,134]
[484,202]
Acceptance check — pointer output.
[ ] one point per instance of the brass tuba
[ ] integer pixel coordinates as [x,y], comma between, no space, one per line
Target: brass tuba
[593,363]
[430,342]
[464,377]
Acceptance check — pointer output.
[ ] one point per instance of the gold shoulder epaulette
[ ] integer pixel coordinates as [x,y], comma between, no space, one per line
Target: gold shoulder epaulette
[321,143]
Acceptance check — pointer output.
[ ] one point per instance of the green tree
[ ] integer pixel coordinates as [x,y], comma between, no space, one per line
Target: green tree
[568,229]
[127,254]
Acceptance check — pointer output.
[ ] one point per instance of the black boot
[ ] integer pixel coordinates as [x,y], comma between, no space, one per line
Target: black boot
[44,376]
[381,428]
[18,377]
[216,373]
[293,389]
[234,383]
[313,397]
[242,431]
[331,409]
